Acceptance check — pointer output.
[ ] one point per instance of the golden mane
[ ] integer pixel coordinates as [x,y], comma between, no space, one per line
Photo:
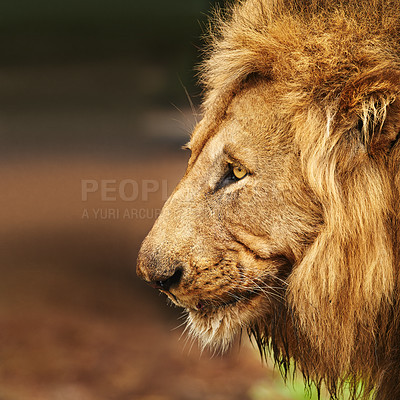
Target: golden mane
[317,44]
[338,63]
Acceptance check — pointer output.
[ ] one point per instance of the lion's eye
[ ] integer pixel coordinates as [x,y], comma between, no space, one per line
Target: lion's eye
[239,172]
[235,174]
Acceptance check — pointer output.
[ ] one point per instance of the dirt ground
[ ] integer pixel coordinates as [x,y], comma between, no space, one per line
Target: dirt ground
[75,322]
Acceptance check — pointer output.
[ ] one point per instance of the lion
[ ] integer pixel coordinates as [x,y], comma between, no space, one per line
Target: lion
[286,223]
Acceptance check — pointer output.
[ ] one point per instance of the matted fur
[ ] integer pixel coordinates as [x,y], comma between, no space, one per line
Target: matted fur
[331,70]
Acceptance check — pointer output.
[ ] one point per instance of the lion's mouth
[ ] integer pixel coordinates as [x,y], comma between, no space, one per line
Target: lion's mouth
[210,306]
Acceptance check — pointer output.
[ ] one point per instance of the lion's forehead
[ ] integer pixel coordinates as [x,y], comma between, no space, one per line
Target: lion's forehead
[248,127]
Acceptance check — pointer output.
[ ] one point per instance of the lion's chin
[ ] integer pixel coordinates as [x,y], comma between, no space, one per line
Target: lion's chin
[216,328]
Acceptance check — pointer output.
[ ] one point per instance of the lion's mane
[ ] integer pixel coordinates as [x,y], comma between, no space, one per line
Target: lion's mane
[339,64]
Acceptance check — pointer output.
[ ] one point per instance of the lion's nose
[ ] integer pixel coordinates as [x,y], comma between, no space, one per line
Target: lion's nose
[158,275]
[165,284]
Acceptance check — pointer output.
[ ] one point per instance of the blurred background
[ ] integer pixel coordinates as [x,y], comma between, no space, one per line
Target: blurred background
[94,108]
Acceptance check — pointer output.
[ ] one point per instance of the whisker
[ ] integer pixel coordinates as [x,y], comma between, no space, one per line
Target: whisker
[179,326]
[186,126]
[189,100]
[266,289]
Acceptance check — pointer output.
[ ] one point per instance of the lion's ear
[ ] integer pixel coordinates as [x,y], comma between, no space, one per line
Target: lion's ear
[370,108]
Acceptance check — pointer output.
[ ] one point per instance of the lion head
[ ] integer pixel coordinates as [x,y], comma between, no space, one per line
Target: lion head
[286,222]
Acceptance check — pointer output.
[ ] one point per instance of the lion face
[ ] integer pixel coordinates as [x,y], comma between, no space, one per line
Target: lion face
[286,222]
[239,220]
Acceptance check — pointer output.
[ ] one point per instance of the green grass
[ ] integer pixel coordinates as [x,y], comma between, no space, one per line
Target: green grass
[278,390]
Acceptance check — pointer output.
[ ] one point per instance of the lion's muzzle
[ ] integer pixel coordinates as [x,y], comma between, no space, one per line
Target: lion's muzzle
[153,269]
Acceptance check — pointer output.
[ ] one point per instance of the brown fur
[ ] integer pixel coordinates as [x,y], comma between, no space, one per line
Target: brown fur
[304,251]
